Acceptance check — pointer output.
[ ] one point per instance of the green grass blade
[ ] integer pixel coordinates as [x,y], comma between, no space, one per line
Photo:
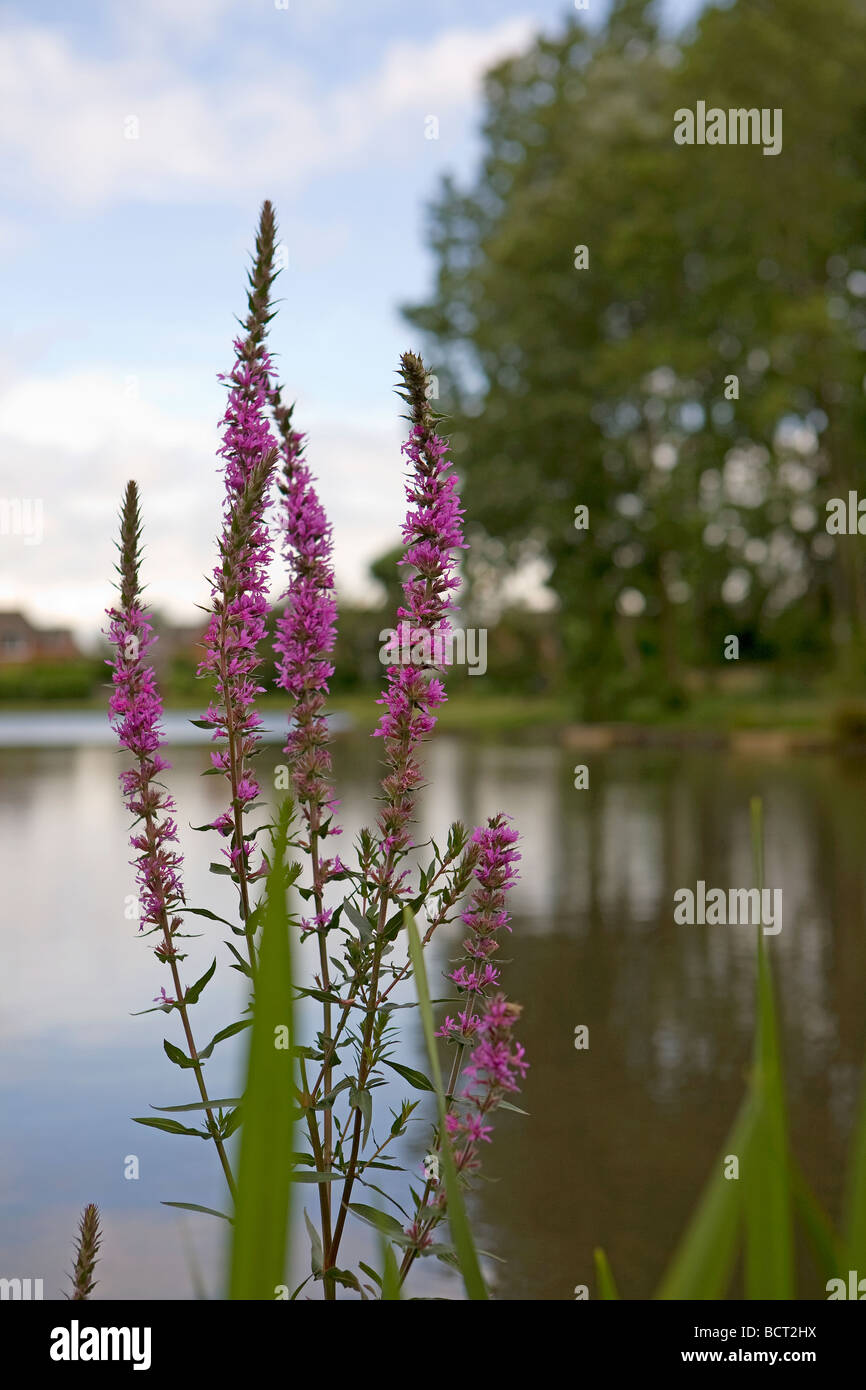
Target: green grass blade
[460,1232]
[825,1244]
[604,1275]
[263,1206]
[703,1263]
[769,1255]
[855,1203]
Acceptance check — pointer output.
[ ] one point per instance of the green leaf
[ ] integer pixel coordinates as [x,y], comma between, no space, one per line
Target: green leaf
[328,1100]
[193,1206]
[377,1278]
[175,1055]
[390,1283]
[379,1220]
[317,1257]
[197,1105]
[359,921]
[316,1177]
[223,1034]
[604,1275]
[170,1126]
[206,912]
[263,1202]
[457,1220]
[363,1101]
[506,1105]
[415,1078]
[192,994]
[221,869]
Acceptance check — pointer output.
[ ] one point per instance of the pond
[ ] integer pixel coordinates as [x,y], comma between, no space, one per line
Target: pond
[621,1134]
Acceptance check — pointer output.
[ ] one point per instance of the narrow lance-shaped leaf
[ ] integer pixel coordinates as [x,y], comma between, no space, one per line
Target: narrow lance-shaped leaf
[263,1206]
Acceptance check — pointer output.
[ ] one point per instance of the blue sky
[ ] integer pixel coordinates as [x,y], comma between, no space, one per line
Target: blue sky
[123,261]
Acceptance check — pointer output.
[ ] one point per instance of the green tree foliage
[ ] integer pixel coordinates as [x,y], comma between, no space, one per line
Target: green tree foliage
[609,387]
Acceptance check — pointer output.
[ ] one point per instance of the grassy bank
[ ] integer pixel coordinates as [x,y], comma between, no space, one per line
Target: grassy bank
[830,719]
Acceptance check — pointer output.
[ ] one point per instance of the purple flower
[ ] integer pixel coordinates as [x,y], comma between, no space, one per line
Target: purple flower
[432,532]
[306,631]
[239,589]
[493,1071]
[135,711]
[496,1061]
[486,915]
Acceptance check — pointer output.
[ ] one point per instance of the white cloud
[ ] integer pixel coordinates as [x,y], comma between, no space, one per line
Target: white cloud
[72,440]
[67,113]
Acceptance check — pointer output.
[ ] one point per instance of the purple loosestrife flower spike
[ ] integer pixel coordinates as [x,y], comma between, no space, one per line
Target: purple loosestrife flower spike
[239,586]
[306,629]
[135,711]
[493,1071]
[496,1062]
[305,637]
[432,532]
[486,915]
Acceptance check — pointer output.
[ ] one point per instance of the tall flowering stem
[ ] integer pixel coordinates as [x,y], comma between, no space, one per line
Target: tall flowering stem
[239,603]
[135,711]
[306,632]
[496,1060]
[432,534]
[356,1037]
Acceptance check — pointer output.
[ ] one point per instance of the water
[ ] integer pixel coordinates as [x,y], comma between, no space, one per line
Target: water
[621,1136]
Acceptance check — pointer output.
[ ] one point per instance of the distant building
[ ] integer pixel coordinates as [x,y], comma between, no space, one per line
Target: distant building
[178,643]
[21,642]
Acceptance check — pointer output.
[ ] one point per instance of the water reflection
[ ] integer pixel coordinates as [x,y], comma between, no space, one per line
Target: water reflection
[621,1136]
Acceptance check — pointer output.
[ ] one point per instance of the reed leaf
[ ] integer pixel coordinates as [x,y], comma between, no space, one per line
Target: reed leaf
[263,1207]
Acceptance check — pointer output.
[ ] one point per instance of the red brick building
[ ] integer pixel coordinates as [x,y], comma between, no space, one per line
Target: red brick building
[21,642]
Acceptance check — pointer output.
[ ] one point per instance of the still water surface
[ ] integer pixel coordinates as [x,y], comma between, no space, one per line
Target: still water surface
[620,1137]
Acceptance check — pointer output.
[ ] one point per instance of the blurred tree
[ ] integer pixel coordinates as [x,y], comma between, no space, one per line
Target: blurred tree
[698,386]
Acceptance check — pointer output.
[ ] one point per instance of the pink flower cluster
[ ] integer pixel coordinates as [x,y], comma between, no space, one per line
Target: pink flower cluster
[239,589]
[486,915]
[493,1070]
[432,531]
[135,710]
[306,632]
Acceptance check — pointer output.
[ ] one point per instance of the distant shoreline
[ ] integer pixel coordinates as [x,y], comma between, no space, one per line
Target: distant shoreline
[763,728]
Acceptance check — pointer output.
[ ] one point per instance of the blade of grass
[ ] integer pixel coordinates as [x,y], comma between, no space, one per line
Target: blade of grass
[263,1207]
[457,1219]
[604,1275]
[769,1255]
[703,1263]
[825,1243]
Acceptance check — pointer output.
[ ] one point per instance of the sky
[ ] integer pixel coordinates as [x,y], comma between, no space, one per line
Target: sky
[137,142]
